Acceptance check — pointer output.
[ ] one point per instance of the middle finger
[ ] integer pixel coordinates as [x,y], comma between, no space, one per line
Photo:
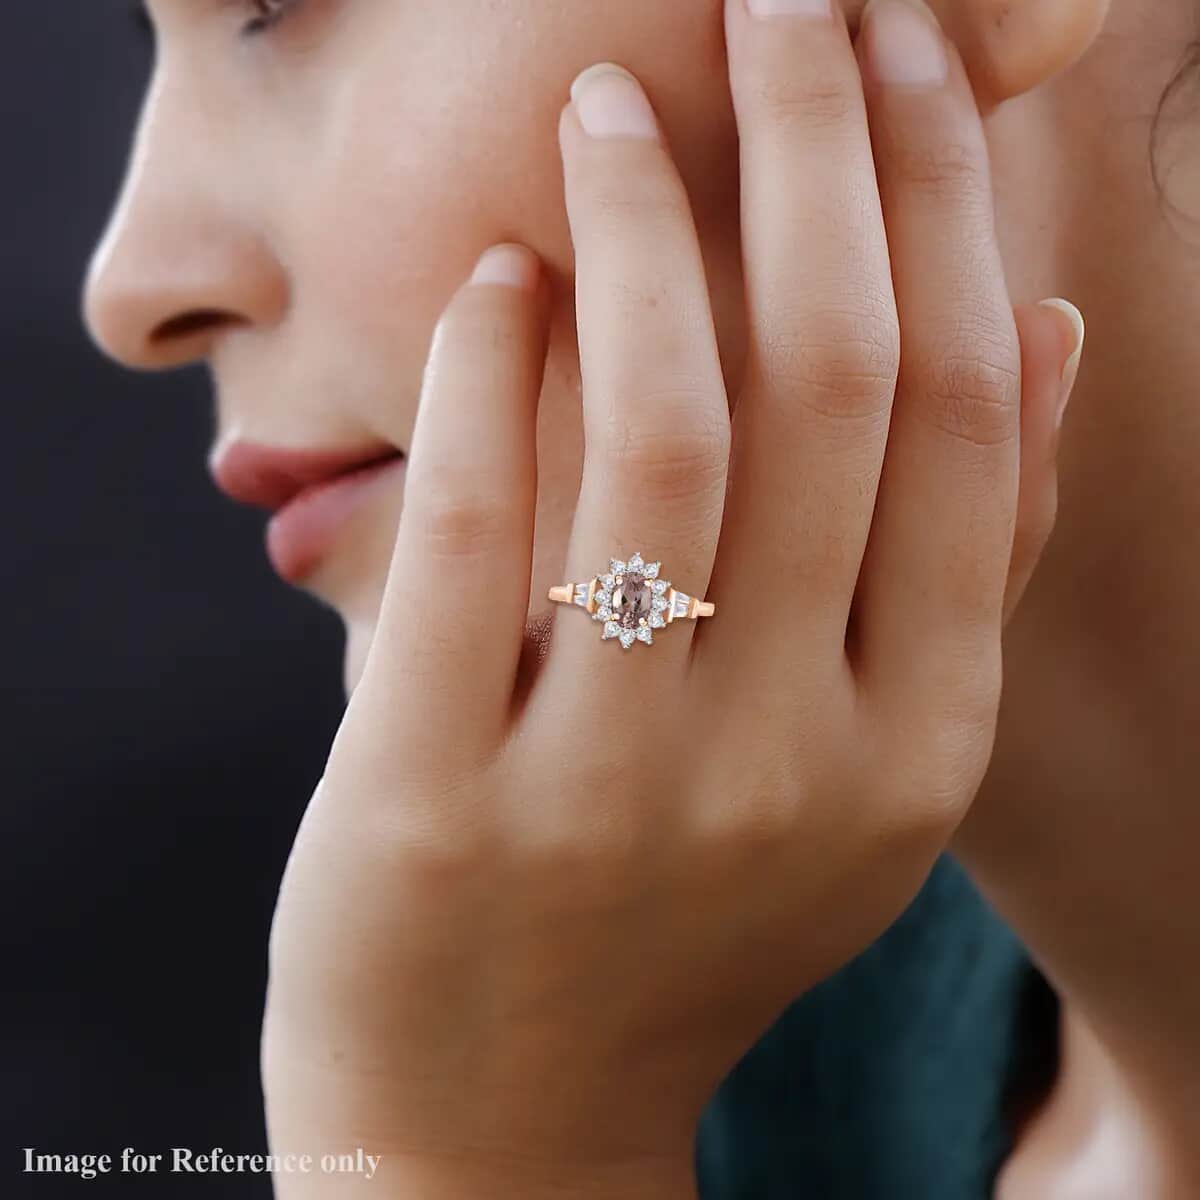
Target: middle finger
[656,417]
[811,424]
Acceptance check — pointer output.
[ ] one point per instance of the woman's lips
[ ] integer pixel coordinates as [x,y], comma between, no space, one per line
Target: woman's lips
[313,492]
[301,533]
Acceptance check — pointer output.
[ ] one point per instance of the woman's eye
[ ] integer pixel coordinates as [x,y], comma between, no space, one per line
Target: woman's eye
[267,13]
[264,14]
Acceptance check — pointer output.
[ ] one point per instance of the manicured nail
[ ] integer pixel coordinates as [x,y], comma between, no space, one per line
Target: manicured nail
[1074,332]
[507,265]
[905,45]
[790,8]
[610,103]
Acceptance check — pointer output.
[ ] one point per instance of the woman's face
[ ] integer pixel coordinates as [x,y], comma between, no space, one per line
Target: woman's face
[307,191]
[304,197]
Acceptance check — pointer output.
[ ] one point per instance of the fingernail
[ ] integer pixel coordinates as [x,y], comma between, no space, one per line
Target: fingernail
[610,103]
[790,8]
[905,45]
[507,265]
[1074,332]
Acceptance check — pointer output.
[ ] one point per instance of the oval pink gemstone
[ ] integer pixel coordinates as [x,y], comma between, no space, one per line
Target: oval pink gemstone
[633,601]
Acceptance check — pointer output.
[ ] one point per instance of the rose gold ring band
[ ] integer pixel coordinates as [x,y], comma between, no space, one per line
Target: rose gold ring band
[564,593]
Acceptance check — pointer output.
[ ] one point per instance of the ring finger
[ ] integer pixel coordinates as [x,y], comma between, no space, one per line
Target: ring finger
[656,418]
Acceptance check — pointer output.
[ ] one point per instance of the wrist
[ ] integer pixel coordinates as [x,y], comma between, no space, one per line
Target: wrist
[333,1090]
[321,1110]
[463,1179]
[399,1175]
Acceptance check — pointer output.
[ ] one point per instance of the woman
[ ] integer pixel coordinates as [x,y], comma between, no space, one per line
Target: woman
[560,875]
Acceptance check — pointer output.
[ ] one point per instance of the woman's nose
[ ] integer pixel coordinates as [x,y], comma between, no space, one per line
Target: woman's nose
[178,267]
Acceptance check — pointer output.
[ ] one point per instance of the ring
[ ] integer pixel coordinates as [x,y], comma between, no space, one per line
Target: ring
[632,600]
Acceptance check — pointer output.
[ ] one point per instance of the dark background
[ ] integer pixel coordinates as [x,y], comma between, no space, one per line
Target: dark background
[167,704]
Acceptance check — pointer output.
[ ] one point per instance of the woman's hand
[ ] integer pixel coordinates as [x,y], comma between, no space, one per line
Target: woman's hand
[522,938]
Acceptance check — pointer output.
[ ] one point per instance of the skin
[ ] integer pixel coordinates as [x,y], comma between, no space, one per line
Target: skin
[329,231]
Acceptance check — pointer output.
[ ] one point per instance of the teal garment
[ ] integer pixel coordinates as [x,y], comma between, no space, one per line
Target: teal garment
[895,1079]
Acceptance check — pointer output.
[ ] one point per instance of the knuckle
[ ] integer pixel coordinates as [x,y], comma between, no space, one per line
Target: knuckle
[668,459]
[948,171]
[958,739]
[808,100]
[845,365]
[936,795]
[973,393]
[460,520]
[941,742]
[923,820]
[954,773]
